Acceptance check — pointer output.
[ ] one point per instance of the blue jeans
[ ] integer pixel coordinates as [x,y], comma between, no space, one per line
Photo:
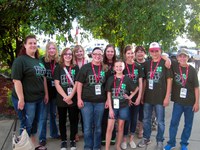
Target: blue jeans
[92,116]
[160,114]
[20,113]
[178,110]
[132,122]
[33,116]
[121,113]
[50,108]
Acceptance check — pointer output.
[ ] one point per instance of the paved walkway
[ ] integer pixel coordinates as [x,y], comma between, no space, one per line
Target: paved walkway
[52,144]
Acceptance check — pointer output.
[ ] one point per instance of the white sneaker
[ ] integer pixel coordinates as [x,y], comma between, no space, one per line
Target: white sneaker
[132,144]
[124,145]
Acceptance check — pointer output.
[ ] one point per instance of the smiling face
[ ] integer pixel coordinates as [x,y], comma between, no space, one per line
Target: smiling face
[182,59]
[110,53]
[140,55]
[119,67]
[31,46]
[97,56]
[155,54]
[52,50]
[67,56]
[79,54]
[129,55]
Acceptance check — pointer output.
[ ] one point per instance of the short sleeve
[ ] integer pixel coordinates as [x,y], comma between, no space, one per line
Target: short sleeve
[17,69]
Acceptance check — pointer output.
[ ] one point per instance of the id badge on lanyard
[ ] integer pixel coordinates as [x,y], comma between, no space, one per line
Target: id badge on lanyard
[116,103]
[52,83]
[69,91]
[150,84]
[98,89]
[183,93]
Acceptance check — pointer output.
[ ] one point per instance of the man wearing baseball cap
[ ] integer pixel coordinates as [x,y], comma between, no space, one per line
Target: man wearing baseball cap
[185,95]
[158,82]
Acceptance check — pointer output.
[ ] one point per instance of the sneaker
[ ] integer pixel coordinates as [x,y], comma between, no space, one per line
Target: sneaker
[103,143]
[144,142]
[159,146]
[124,145]
[112,142]
[132,144]
[168,147]
[72,145]
[183,147]
[43,143]
[63,145]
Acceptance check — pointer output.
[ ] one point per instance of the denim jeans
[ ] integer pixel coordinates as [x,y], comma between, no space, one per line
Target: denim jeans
[20,113]
[160,114]
[92,117]
[132,122]
[33,111]
[178,110]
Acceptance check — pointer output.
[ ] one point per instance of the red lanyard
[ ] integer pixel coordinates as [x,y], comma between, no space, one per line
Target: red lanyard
[83,60]
[52,67]
[153,72]
[68,80]
[133,67]
[120,85]
[97,78]
[181,75]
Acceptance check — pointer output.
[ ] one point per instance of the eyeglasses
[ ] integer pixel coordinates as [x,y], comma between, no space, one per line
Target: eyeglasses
[67,54]
[96,54]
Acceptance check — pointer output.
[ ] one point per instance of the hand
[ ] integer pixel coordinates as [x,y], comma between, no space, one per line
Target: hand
[166,102]
[80,104]
[196,107]
[20,105]
[106,105]
[68,100]
[46,99]
[168,63]
[111,114]
[126,96]
[137,101]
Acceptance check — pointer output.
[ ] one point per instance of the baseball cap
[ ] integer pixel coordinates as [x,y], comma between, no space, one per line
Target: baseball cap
[154,46]
[183,51]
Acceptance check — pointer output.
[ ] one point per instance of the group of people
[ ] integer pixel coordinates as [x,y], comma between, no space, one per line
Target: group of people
[102,91]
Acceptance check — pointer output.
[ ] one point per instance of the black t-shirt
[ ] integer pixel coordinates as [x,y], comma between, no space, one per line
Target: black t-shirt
[30,72]
[126,87]
[50,67]
[157,94]
[134,75]
[191,83]
[87,78]
[59,74]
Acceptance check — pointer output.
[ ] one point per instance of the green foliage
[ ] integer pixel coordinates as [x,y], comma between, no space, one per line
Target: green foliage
[9,100]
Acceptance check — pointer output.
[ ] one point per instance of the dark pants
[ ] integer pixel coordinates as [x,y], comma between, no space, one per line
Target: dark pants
[73,119]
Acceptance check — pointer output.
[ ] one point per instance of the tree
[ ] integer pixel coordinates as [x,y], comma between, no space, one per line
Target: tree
[140,22]
[19,18]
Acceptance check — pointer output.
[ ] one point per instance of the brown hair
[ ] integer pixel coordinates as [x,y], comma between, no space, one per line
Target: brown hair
[140,48]
[23,49]
[127,48]
[105,59]
[62,62]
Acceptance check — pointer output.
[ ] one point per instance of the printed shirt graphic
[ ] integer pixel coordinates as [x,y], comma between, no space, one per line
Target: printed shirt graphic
[191,83]
[126,88]
[138,73]
[87,77]
[158,93]
[30,72]
[65,83]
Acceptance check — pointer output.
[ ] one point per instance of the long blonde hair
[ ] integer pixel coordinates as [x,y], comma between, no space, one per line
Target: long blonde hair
[56,56]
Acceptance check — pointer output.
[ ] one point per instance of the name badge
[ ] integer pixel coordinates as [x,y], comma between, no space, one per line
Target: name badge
[183,93]
[69,91]
[52,83]
[116,103]
[98,89]
[151,84]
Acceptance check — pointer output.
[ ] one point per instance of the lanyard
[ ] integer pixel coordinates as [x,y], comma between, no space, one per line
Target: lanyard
[97,78]
[181,75]
[153,72]
[83,60]
[133,67]
[68,80]
[52,67]
[120,85]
